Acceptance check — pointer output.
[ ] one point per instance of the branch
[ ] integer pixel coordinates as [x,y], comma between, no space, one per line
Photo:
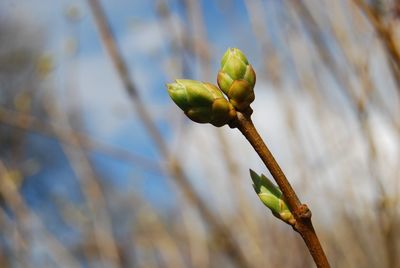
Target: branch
[31,123]
[100,220]
[29,224]
[301,212]
[385,36]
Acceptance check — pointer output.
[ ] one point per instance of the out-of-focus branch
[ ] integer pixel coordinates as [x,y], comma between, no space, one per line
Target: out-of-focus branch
[361,70]
[338,73]
[385,35]
[196,239]
[247,224]
[99,218]
[271,60]
[31,123]
[14,251]
[22,233]
[386,216]
[273,65]
[27,220]
[122,70]
[227,241]
[151,228]
[198,36]
[181,40]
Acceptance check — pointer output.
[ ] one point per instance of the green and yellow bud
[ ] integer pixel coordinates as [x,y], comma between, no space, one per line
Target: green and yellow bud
[237,78]
[201,102]
[271,196]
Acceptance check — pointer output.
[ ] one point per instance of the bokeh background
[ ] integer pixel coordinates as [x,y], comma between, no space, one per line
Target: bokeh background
[98,167]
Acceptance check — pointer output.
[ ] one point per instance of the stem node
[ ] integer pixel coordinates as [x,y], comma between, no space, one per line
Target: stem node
[301,212]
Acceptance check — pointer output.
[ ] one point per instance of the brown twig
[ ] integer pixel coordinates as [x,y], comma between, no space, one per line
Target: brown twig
[301,212]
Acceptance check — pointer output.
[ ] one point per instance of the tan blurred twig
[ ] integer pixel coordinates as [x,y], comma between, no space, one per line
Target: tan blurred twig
[198,36]
[271,60]
[197,240]
[29,122]
[325,55]
[227,241]
[14,252]
[27,220]
[91,188]
[360,68]
[247,224]
[151,228]
[360,104]
[385,35]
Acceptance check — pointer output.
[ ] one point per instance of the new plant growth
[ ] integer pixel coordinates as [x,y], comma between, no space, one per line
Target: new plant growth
[272,198]
[201,102]
[205,103]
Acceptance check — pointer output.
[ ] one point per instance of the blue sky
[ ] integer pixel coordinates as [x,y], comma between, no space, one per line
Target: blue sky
[87,81]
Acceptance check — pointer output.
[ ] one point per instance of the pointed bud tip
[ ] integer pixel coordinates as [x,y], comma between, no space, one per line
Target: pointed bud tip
[253,174]
[172,86]
[234,51]
[270,196]
[169,85]
[256,181]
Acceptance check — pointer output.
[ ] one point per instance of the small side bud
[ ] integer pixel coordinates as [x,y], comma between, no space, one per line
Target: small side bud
[237,78]
[201,102]
[271,196]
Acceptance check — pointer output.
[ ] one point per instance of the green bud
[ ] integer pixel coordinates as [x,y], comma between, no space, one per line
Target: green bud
[201,102]
[272,197]
[237,78]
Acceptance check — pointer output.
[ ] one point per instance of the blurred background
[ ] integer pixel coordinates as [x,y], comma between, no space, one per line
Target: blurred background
[98,167]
